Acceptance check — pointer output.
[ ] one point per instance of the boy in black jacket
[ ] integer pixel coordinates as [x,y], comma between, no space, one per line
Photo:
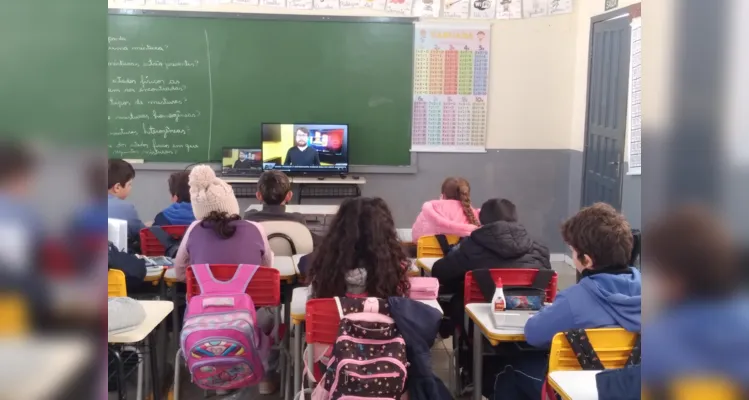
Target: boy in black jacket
[500,242]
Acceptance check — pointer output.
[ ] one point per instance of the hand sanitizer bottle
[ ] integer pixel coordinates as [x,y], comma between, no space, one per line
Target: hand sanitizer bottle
[498,301]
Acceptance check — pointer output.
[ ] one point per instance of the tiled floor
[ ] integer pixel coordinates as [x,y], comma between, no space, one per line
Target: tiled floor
[440,354]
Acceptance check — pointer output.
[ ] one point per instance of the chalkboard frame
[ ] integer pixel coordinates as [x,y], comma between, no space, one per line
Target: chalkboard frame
[353,169]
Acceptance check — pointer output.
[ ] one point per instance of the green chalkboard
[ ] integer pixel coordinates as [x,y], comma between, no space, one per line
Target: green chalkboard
[183,86]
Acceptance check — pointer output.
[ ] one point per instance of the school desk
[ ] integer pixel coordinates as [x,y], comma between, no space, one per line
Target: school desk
[304,209]
[575,385]
[426,264]
[480,314]
[299,299]
[156,312]
[330,187]
[38,367]
[405,235]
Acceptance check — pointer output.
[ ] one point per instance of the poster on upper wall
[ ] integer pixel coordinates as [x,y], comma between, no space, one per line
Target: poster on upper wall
[248,2]
[483,9]
[510,9]
[451,87]
[426,8]
[273,3]
[377,5]
[557,7]
[635,100]
[299,4]
[535,8]
[456,9]
[326,4]
[403,7]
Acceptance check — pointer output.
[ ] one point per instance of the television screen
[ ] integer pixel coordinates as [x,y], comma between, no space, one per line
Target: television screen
[239,161]
[312,149]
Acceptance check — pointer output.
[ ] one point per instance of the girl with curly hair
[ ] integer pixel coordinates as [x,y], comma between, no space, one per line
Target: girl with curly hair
[360,254]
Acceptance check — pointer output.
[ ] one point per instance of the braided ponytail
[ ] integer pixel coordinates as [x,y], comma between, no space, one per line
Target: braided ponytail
[465,200]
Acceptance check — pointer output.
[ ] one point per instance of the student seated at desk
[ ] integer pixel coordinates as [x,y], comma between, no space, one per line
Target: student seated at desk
[362,257]
[360,254]
[119,183]
[180,211]
[220,236]
[500,242]
[700,324]
[451,214]
[608,295]
[274,191]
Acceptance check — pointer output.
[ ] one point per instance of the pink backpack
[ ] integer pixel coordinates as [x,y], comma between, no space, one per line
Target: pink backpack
[220,340]
[369,357]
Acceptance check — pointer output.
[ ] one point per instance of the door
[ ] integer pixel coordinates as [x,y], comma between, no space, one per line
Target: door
[605,133]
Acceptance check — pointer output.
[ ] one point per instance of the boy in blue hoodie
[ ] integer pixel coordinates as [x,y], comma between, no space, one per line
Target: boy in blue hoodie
[700,327]
[120,175]
[180,211]
[608,295]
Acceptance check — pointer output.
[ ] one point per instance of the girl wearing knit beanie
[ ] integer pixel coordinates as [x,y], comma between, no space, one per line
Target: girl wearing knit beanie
[220,236]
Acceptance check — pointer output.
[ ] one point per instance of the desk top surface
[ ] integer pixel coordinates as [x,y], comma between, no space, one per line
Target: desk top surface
[575,385]
[480,313]
[156,311]
[38,367]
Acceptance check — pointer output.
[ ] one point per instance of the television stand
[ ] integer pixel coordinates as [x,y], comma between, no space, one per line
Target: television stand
[328,187]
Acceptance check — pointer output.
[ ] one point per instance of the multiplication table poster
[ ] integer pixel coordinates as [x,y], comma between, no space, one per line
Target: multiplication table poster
[451,85]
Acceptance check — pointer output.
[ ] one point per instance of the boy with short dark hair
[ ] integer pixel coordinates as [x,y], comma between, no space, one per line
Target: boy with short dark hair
[120,175]
[608,295]
[180,211]
[274,191]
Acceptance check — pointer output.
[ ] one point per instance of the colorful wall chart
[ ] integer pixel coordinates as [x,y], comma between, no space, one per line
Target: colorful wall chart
[451,85]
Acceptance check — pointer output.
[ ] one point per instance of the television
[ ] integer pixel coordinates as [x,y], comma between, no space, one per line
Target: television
[305,149]
[241,161]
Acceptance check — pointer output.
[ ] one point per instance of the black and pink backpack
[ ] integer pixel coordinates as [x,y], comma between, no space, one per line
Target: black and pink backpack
[368,360]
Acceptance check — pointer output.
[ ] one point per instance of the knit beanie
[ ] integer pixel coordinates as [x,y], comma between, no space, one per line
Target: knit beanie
[209,193]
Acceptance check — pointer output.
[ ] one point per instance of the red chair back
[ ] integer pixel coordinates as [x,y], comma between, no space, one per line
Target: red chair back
[509,277]
[322,320]
[264,288]
[150,245]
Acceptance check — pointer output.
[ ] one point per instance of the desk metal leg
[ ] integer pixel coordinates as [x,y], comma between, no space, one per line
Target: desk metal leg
[175,318]
[288,288]
[155,381]
[121,389]
[299,198]
[298,329]
[478,362]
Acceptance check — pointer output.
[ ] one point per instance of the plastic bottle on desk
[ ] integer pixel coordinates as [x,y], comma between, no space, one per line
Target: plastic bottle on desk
[498,306]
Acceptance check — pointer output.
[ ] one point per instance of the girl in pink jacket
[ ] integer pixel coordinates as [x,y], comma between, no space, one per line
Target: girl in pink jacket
[452,214]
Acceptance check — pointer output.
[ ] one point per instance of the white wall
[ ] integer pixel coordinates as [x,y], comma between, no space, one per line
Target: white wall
[531,67]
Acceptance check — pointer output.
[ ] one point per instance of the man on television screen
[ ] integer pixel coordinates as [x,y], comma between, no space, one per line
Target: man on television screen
[302,154]
[244,161]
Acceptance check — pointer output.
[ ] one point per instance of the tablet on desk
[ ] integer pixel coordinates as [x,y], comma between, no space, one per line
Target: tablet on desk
[160,261]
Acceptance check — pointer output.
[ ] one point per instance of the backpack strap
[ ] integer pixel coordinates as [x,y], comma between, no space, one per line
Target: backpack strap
[583,350]
[483,278]
[163,237]
[237,284]
[635,355]
[543,279]
[444,245]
